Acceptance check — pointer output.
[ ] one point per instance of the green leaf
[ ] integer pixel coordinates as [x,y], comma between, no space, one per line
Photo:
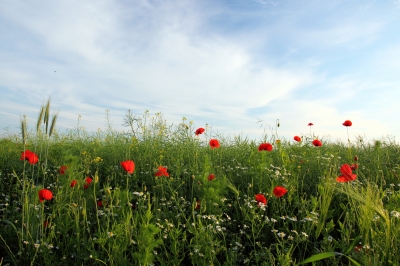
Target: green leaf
[320,256]
[325,255]
[352,245]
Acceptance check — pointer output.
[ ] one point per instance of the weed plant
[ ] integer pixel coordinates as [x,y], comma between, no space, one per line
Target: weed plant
[170,211]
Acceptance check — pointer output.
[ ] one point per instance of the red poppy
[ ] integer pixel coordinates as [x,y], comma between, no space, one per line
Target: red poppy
[347,174]
[73,183]
[100,203]
[347,123]
[211,177]
[260,198]
[162,171]
[129,166]
[310,124]
[279,191]
[265,147]
[199,131]
[29,156]
[297,138]
[45,194]
[62,170]
[197,205]
[214,143]
[46,224]
[354,166]
[88,181]
[317,143]
[358,248]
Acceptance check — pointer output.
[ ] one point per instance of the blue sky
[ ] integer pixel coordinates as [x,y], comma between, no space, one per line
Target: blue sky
[228,64]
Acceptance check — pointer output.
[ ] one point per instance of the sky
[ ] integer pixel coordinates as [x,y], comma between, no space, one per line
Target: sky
[235,65]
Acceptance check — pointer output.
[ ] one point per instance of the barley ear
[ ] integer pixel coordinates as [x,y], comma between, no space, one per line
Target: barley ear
[23,130]
[53,123]
[40,119]
[47,115]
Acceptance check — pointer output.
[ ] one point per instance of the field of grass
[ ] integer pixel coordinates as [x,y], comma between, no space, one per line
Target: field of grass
[186,202]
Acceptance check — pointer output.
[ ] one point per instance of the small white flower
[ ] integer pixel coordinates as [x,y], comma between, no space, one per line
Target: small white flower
[395,214]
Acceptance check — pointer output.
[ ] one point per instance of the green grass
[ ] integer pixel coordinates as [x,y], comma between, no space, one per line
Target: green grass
[185,219]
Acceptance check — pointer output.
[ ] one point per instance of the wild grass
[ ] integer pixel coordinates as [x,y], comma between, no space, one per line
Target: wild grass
[185,219]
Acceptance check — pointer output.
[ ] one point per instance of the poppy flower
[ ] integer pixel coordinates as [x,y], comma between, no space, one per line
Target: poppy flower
[30,156]
[297,138]
[199,131]
[214,143]
[317,143]
[46,224]
[100,203]
[62,170]
[45,194]
[354,166]
[129,166]
[162,171]
[358,248]
[347,123]
[88,181]
[211,177]
[347,174]
[310,124]
[73,183]
[279,191]
[265,147]
[260,198]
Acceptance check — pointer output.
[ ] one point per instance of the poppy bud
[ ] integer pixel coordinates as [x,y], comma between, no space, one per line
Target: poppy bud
[355,158]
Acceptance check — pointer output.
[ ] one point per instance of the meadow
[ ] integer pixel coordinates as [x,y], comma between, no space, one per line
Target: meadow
[165,194]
